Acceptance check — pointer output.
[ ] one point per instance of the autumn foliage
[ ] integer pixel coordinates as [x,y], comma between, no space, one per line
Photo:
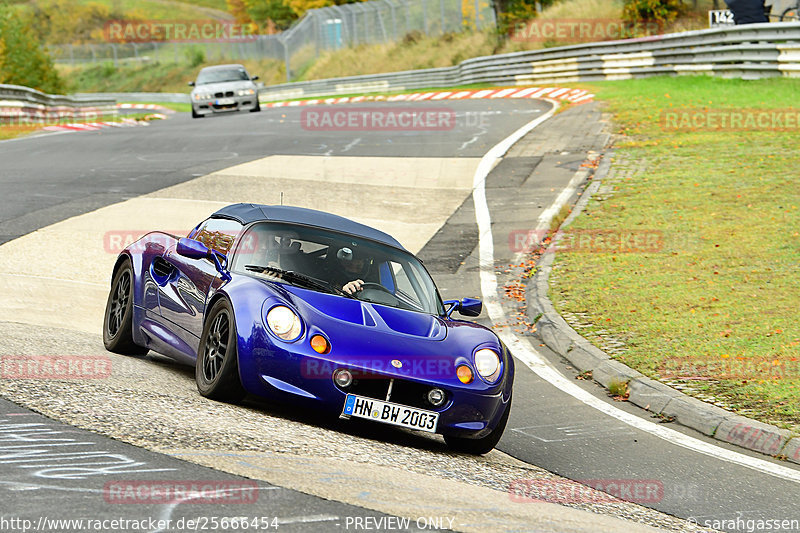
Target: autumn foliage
[22,60]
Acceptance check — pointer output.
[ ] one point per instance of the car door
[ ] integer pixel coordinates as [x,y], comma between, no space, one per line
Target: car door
[185,284]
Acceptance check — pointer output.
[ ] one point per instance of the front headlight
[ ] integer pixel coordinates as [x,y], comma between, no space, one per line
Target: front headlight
[202,96]
[245,92]
[284,323]
[487,363]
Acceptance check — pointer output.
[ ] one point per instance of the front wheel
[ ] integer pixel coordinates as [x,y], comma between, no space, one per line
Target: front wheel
[789,15]
[217,370]
[484,444]
[118,318]
[257,108]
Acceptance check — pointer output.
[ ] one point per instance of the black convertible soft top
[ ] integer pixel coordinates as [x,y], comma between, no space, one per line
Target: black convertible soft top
[247,213]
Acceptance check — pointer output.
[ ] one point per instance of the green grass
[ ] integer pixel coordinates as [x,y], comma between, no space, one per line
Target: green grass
[155,76]
[157,9]
[724,288]
[179,107]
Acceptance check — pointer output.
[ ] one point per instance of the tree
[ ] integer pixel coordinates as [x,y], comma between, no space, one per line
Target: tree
[22,60]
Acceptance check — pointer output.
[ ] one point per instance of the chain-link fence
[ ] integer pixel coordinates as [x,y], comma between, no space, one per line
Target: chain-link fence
[329,28]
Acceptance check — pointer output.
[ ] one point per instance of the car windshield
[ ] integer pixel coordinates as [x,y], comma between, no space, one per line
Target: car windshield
[222,75]
[325,260]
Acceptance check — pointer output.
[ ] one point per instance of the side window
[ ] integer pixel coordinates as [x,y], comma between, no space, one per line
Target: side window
[218,234]
[404,284]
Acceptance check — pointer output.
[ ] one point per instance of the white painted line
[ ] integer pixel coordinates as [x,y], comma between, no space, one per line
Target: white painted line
[461,94]
[426,96]
[558,92]
[308,519]
[441,96]
[51,278]
[527,354]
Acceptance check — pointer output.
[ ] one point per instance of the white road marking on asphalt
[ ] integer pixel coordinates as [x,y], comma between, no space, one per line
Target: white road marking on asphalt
[52,278]
[351,144]
[526,353]
[307,519]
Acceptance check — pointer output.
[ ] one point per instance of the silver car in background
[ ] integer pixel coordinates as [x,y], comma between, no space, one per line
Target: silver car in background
[224,88]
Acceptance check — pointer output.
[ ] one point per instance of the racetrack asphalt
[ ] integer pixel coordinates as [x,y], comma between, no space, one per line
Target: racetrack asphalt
[547,428]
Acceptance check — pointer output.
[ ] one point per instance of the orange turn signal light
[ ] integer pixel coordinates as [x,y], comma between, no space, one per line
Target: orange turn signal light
[464,374]
[320,344]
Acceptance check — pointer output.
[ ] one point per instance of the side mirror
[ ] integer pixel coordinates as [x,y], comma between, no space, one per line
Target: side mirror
[197,250]
[192,249]
[466,307]
[254,78]
[191,84]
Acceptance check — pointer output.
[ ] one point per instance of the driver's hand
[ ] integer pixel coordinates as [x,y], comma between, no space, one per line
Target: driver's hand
[353,287]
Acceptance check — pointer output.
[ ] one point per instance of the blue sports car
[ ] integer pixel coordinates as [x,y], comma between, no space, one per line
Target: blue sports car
[294,304]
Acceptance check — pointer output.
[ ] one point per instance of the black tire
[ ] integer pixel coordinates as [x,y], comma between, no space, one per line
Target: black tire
[257,108]
[484,444]
[118,317]
[195,114]
[217,369]
[789,14]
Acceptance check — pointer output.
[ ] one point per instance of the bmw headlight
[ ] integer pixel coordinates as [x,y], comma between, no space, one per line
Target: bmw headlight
[284,323]
[246,92]
[202,96]
[487,363]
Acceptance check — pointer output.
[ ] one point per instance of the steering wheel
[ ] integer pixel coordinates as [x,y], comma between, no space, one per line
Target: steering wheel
[371,285]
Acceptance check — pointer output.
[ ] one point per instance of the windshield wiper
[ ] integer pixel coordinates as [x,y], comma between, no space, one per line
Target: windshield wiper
[297,278]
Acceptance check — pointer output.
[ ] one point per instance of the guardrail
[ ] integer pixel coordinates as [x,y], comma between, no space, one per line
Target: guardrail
[749,51]
[24,105]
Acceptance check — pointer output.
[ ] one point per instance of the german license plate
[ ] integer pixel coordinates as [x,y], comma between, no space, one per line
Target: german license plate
[390,413]
[225,101]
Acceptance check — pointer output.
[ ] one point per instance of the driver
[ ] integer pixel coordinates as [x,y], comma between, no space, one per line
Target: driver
[354,268]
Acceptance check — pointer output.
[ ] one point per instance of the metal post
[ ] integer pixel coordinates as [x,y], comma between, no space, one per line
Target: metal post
[478,14]
[317,33]
[380,20]
[394,19]
[425,15]
[71,55]
[114,51]
[441,12]
[286,60]
[460,15]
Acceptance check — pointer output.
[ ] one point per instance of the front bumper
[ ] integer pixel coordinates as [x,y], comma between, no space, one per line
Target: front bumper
[226,104]
[471,411]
